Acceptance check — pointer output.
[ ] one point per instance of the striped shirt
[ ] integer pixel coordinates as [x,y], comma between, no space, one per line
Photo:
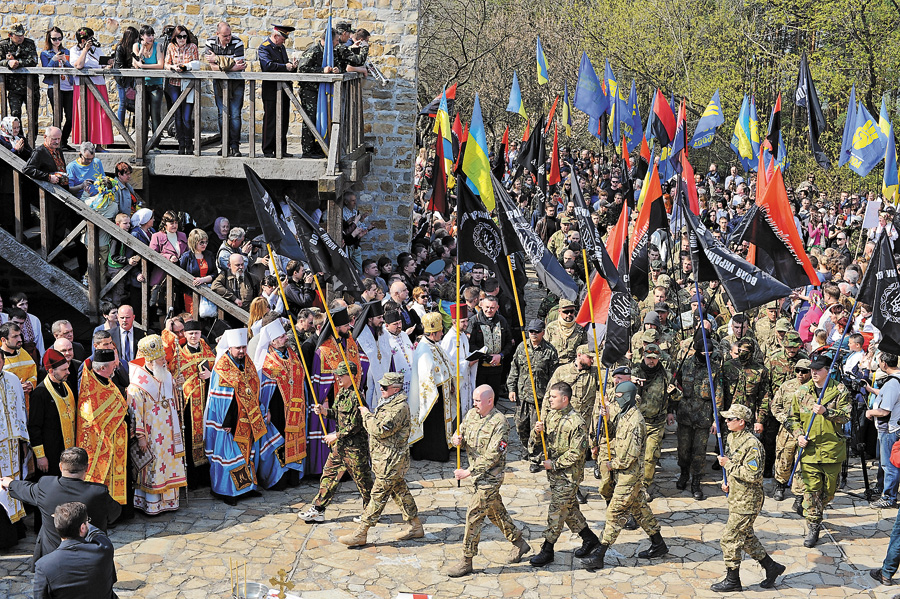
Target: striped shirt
[234,48]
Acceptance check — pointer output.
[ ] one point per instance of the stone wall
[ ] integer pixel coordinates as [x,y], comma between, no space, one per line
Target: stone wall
[390,112]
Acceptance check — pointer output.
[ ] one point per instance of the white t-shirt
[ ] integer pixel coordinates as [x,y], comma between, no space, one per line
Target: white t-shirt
[889,399]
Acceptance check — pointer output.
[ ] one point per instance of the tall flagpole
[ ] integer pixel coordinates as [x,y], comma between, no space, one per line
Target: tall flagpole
[597,354]
[458,412]
[537,402]
[338,341]
[312,388]
[712,385]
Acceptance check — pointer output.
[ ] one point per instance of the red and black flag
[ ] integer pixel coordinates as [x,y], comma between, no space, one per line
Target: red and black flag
[438,201]
[663,125]
[456,137]
[774,128]
[881,290]
[432,107]
[642,164]
[618,300]
[554,177]
[651,218]
[590,237]
[808,98]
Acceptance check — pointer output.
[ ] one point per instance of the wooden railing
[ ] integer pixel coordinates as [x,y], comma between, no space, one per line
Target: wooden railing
[51,199]
[345,134]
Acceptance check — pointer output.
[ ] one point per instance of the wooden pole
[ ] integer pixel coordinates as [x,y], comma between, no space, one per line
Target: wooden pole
[597,354]
[340,347]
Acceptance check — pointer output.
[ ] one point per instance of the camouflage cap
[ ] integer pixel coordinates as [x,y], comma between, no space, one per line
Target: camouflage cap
[656,264]
[17,29]
[341,370]
[803,364]
[651,351]
[650,336]
[783,325]
[664,281]
[587,349]
[565,219]
[391,378]
[566,303]
[792,339]
[738,411]
[773,305]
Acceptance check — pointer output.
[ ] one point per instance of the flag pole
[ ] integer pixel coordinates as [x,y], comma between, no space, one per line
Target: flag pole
[306,372]
[458,413]
[712,385]
[340,347]
[597,354]
[537,406]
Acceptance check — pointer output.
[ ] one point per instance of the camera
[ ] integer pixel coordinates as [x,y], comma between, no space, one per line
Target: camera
[92,41]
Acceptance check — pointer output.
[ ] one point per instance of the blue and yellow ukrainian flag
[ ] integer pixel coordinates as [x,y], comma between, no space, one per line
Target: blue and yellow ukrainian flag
[740,139]
[442,128]
[542,75]
[515,98]
[890,185]
[754,130]
[567,110]
[869,144]
[710,120]
[476,164]
[884,121]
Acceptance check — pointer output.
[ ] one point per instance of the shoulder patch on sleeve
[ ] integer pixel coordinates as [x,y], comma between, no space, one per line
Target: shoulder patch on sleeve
[502,446]
[755,458]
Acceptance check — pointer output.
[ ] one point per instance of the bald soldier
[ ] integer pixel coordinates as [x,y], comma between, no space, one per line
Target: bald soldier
[484,434]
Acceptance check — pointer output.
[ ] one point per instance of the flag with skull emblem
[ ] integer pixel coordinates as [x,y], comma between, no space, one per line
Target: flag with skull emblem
[880,289]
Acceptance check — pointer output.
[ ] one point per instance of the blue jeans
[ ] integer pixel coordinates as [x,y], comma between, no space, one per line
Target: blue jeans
[891,473]
[182,116]
[121,112]
[235,103]
[892,559]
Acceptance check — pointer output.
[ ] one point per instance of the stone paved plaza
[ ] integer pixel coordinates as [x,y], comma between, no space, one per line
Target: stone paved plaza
[186,554]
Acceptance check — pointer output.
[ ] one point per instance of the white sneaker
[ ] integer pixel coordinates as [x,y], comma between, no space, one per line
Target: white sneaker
[312,515]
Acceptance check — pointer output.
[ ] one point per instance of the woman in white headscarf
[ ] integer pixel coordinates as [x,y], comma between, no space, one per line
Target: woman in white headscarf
[142,230]
[11,137]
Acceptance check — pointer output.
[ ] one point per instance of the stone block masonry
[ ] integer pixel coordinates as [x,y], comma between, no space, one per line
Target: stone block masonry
[390,110]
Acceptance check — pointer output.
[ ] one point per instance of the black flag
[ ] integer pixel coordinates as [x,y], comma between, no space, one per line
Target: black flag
[746,285]
[520,237]
[533,156]
[325,256]
[881,290]
[651,218]
[618,320]
[590,237]
[808,98]
[478,235]
[274,228]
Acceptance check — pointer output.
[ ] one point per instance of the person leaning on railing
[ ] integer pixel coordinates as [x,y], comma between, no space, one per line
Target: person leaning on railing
[86,55]
[124,59]
[17,51]
[225,52]
[182,55]
[55,55]
[147,54]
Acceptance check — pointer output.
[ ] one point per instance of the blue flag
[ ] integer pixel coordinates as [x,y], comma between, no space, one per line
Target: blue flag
[323,101]
[615,104]
[849,128]
[711,120]
[869,143]
[630,124]
[589,96]
[754,131]
[740,139]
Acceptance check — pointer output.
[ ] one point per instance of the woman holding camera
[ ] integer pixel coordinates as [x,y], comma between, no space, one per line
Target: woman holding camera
[86,54]
[182,55]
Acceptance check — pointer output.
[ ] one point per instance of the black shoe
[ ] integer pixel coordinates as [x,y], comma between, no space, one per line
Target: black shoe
[535,468]
[235,153]
[219,153]
[657,548]
[579,496]
[181,150]
[798,505]
[229,500]
[314,154]
[544,557]
[696,489]
[66,148]
[268,154]
[682,482]
[812,534]
[773,570]
[597,559]
[589,542]
[879,577]
[732,582]
[631,524]
[286,155]
[778,495]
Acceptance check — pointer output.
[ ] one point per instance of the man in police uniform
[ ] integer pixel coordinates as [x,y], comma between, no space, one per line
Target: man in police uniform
[484,434]
[742,462]
[273,58]
[16,52]
[824,449]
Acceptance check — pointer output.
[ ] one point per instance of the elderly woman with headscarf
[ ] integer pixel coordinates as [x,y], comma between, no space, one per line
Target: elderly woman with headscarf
[11,137]
[218,234]
[142,230]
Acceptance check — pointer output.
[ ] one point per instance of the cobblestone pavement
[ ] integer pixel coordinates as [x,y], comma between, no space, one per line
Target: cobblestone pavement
[186,554]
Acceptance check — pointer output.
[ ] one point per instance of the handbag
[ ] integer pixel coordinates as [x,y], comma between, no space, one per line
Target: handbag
[207,308]
[895,454]
[130,96]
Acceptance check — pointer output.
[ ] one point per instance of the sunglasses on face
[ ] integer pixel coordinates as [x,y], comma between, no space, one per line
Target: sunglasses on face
[56,39]
[731,419]
[802,370]
[181,36]
[567,311]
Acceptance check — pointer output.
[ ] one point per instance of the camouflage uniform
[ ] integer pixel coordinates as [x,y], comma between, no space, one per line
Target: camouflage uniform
[747,385]
[821,462]
[628,472]
[350,452]
[485,439]
[543,363]
[785,443]
[344,56]
[694,411]
[566,444]
[745,497]
[388,427]
[557,243]
[654,404]
[310,62]
[765,334]
[566,343]
[728,340]
[16,85]
[584,389]
[781,370]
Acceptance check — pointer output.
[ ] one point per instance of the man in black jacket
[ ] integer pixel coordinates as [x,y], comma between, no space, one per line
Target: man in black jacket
[299,287]
[490,333]
[51,491]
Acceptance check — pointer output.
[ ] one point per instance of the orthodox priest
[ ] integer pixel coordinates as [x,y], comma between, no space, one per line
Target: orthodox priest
[373,341]
[282,395]
[401,348]
[102,428]
[325,362]
[51,415]
[432,403]
[195,363]
[157,426]
[13,439]
[468,371]
[233,419]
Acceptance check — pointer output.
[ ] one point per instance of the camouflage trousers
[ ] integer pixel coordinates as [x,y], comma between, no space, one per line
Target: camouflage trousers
[382,490]
[785,454]
[738,537]
[692,444]
[563,509]
[652,450]
[486,503]
[820,483]
[526,417]
[354,460]
[625,502]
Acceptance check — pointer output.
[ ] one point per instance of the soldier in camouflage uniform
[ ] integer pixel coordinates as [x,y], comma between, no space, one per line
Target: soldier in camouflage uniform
[650,322]
[16,52]
[388,427]
[349,448]
[651,337]
[627,470]
[781,369]
[484,434]
[746,381]
[543,364]
[565,334]
[566,444]
[782,328]
[694,413]
[344,56]
[825,449]
[765,327]
[558,240]
[741,329]
[311,62]
[786,444]
[743,464]
[655,405]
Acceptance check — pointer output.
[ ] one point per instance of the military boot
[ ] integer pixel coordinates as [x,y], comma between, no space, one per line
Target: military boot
[681,485]
[415,531]
[631,523]
[773,570]
[579,497]
[520,548]
[544,557]
[732,582]
[596,560]
[812,534]
[798,505]
[657,548]
[589,542]
[778,495]
[696,490]
[461,568]
[357,539]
